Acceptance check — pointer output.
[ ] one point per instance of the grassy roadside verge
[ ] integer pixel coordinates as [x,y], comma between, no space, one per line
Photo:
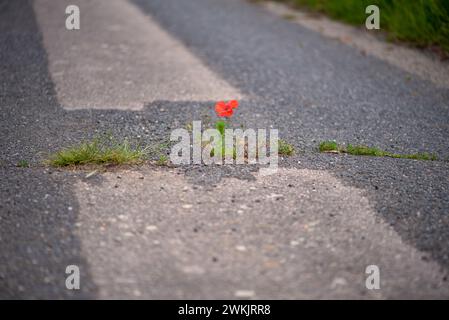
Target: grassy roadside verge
[420,22]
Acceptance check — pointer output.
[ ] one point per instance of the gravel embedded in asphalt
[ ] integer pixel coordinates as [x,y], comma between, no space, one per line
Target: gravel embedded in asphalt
[310,88]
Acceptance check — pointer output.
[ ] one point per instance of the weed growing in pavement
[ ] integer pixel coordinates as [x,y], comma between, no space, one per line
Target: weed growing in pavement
[99,152]
[222,144]
[23,164]
[285,149]
[328,146]
[361,150]
[163,160]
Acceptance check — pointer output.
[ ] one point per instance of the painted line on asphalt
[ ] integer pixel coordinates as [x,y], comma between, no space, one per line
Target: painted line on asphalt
[121,59]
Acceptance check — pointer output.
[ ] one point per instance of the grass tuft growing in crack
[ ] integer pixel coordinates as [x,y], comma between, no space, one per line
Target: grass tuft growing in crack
[23,164]
[98,152]
[285,148]
[361,150]
[163,160]
[328,146]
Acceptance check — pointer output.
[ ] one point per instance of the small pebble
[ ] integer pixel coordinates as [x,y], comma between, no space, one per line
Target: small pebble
[244,293]
[151,228]
[90,174]
[338,282]
[241,248]
[137,293]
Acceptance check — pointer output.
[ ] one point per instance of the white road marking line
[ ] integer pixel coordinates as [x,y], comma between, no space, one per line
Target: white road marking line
[121,59]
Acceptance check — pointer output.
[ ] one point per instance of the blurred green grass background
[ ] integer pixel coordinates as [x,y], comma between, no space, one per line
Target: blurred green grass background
[419,22]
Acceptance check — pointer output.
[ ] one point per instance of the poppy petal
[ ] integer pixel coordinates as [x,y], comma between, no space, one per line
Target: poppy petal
[225,109]
[233,104]
[220,104]
[227,112]
[220,107]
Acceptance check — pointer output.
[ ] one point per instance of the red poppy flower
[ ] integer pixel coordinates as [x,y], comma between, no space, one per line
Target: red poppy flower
[226,109]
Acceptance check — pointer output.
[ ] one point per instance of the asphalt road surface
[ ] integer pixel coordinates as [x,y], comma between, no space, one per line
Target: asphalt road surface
[139,69]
